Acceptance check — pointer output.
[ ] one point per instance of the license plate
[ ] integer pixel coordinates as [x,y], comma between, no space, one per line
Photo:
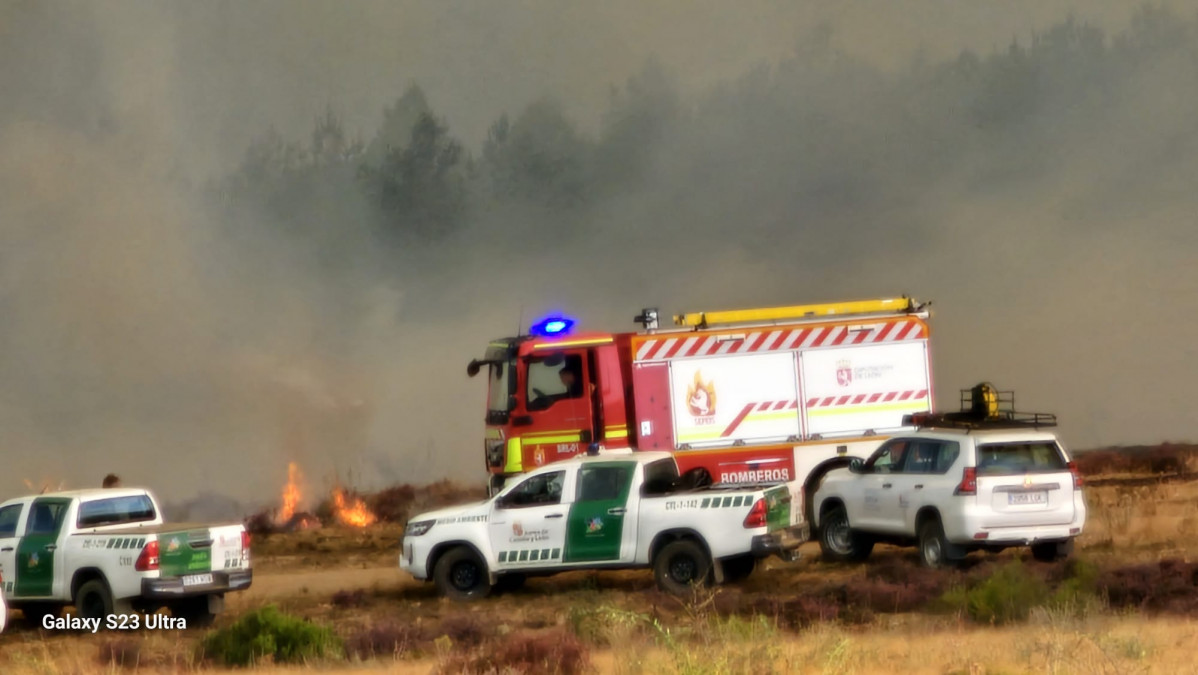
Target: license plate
[197,579]
[1040,497]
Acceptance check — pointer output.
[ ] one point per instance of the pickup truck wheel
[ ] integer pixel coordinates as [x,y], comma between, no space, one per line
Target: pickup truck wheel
[461,576]
[738,568]
[679,565]
[933,545]
[838,542]
[93,600]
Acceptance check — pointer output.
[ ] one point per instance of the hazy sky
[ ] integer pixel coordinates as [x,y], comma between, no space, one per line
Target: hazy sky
[133,344]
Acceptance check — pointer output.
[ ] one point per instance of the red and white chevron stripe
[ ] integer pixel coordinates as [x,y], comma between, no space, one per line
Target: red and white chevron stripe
[833,401]
[783,339]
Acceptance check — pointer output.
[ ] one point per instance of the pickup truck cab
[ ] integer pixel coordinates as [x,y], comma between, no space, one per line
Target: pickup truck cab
[951,491]
[605,511]
[107,551]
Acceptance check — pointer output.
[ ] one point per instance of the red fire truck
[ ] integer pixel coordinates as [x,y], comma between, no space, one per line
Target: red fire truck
[753,395]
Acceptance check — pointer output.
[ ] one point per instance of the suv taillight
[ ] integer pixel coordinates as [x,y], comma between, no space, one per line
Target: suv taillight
[1077,475]
[148,560]
[245,545]
[756,517]
[969,482]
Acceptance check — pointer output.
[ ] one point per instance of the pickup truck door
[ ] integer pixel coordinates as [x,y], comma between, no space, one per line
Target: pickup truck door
[527,526]
[37,547]
[602,521]
[925,480]
[878,496]
[10,519]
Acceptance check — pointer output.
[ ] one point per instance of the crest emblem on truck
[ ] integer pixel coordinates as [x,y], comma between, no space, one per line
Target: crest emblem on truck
[517,530]
[700,397]
[174,545]
[595,524]
[844,372]
[33,559]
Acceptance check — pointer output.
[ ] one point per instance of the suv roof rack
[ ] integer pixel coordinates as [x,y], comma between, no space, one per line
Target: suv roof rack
[983,407]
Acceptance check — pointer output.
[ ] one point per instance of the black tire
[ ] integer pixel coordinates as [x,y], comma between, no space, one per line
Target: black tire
[510,582]
[1052,551]
[738,568]
[460,575]
[680,565]
[840,543]
[195,611]
[93,600]
[34,613]
[934,549]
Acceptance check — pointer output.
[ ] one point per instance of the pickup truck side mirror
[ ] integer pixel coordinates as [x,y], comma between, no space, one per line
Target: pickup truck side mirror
[857,466]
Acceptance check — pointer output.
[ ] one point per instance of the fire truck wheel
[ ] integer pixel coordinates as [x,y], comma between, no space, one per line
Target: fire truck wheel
[461,575]
[680,565]
[840,543]
[738,568]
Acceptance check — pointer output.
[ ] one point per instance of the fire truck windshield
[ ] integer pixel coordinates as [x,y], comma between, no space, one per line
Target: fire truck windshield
[501,386]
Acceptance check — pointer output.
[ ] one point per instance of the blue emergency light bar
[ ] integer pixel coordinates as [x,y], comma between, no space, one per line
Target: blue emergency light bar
[551,327]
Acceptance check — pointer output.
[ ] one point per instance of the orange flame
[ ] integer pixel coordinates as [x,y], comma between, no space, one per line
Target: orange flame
[355,514]
[291,494]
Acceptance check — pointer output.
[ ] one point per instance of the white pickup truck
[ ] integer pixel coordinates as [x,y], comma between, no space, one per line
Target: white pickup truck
[950,491]
[614,510]
[107,552]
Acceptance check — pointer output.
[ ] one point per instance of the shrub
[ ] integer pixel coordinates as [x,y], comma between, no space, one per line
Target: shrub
[1166,586]
[555,651]
[393,504]
[354,598]
[267,633]
[1006,596]
[121,653]
[382,639]
[464,630]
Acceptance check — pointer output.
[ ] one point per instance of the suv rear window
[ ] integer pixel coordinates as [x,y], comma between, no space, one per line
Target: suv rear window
[115,511]
[1007,459]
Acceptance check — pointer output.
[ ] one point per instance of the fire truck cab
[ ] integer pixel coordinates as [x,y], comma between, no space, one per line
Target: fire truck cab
[745,395]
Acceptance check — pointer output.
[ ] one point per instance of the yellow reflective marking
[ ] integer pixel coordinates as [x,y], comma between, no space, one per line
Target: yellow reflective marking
[542,440]
[555,432]
[916,404]
[622,432]
[573,343]
[515,461]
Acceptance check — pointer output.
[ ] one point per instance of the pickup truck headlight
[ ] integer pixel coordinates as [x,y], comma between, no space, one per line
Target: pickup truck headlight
[418,528]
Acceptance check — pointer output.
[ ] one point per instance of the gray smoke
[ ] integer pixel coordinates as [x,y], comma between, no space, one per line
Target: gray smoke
[743,154]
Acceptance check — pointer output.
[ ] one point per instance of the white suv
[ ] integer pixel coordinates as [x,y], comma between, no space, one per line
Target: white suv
[952,491]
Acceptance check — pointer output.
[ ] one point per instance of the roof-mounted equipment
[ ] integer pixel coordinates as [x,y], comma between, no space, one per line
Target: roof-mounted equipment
[983,407]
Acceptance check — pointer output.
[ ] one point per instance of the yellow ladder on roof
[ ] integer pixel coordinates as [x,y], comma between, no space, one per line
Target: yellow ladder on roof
[797,312]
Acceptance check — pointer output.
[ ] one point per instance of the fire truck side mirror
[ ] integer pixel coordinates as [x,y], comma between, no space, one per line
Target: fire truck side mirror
[472,369]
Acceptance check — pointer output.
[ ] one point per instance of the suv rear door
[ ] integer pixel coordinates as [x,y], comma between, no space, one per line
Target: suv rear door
[1025,483]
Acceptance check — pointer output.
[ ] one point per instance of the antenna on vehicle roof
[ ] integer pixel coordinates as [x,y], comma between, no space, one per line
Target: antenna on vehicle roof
[520,322]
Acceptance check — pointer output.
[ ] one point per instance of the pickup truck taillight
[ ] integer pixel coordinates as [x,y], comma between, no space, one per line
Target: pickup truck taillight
[969,482]
[148,560]
[756,517]
[245,545]
[1077,475]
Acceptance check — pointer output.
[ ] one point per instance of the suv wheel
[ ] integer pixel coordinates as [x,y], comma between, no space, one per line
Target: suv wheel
[838,542]
[933,545]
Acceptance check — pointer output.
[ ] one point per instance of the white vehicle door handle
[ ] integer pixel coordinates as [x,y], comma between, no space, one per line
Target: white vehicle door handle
[6,548]
[554,515]
[886,485]
[919,487]
[50,547]
[618,511]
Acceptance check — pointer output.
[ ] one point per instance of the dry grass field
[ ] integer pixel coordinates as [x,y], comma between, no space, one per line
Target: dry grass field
[1126,603]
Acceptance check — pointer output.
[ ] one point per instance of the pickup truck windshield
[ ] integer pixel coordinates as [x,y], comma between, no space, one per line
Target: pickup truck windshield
[1008,459]
[115,511]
